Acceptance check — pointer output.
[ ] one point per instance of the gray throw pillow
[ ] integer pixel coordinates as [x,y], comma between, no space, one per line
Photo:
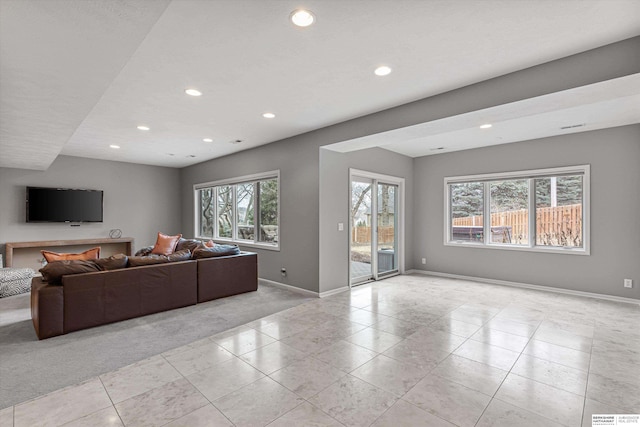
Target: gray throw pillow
[216,251]
[144,251]
[191,244]
[137,261]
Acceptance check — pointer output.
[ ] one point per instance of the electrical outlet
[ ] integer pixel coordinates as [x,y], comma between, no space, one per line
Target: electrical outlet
[283,271]
[628,283]
[424,260]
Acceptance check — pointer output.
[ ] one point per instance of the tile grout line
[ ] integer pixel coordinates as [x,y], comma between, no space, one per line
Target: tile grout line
[113,405]
[539,382]
[192,385]
[586,386]
[508,372]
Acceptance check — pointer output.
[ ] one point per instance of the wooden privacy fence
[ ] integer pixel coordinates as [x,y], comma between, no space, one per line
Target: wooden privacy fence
[551,222]
[363,234]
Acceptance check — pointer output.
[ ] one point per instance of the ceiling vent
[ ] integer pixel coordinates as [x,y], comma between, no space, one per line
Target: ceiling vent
[573,126]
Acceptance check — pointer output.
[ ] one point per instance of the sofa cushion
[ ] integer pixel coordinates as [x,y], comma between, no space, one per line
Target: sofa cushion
[191,244]
[137,261]
[53,271]
[93,253]
[217,250]
[165,245]
[114,262]
[144,251]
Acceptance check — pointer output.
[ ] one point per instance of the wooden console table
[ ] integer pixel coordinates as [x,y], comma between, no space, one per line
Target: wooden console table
[10,247]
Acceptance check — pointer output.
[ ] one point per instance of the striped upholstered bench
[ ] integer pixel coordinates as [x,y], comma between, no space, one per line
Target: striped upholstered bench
[14,281]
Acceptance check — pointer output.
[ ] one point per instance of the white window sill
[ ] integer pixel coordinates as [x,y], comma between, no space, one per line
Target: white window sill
[244,243]
[522,248]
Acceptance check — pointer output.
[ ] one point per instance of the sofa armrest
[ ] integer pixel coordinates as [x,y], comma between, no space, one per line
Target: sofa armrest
[47,308]
[227,275]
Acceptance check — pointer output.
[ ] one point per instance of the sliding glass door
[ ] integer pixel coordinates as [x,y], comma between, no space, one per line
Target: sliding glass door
[361,261]
[374,228]
[387,229]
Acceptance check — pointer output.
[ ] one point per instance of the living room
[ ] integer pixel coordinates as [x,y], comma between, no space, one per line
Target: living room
[313,163]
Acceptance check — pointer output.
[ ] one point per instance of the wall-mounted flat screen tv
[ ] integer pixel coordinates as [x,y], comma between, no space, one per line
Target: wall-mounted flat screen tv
[63,205]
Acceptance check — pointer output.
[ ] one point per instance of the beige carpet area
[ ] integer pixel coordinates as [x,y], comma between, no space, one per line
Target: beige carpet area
[30,368]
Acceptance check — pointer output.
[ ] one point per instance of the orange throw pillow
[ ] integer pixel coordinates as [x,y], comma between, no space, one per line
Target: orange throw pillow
[165,245]
[93,253]
[210,244]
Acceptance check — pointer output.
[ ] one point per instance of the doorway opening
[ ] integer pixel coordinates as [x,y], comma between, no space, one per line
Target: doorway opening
[376,226]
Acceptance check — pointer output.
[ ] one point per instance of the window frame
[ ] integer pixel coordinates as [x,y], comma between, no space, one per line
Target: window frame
[531,175]
[254,179]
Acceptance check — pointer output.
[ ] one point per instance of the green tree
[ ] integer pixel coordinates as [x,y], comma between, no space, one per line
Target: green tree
[225,198]
[509,195]
[568,191]
[466,199]
[206,212]
[268,195]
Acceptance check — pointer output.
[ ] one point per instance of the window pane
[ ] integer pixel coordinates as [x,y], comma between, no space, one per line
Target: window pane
[559,211]
[510,211]
[207,211]
[268,205]
[245,211]
[225,213]
[466,211]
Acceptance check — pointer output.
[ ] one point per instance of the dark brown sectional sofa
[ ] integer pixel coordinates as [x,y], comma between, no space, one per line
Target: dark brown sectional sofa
[97,298]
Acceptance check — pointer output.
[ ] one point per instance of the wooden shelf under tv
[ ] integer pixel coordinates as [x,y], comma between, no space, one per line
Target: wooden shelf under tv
[10,247]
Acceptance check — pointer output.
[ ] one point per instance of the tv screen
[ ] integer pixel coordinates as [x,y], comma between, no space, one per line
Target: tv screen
[63,205]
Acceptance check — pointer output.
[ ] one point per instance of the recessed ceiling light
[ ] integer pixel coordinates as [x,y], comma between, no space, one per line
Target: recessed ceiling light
[114,146]
[302,17]
[236,141]
[143,127]
[208,140]
[382,71]
[268,115]
[193,92]
[486,126]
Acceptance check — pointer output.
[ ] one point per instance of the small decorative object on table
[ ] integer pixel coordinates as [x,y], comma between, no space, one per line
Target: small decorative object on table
[116,233]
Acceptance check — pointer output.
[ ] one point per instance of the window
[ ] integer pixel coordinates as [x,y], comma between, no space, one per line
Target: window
[467,207]
[495,210]
[245,210]
[509,211]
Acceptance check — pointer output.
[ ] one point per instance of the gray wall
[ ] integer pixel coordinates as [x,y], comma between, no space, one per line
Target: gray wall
[334,207]
[139,200]
[142,200]
[615,202]
[297,160]
[303,249]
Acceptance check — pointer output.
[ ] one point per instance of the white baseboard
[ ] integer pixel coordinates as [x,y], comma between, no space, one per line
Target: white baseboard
[303,291]
[289,288]
[527,286]
[334,291]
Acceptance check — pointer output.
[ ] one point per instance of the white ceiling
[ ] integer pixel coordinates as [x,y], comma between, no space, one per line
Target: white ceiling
[79,75]
[602,105]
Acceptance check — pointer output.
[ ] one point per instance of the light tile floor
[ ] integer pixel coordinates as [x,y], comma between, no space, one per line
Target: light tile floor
[408,351]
